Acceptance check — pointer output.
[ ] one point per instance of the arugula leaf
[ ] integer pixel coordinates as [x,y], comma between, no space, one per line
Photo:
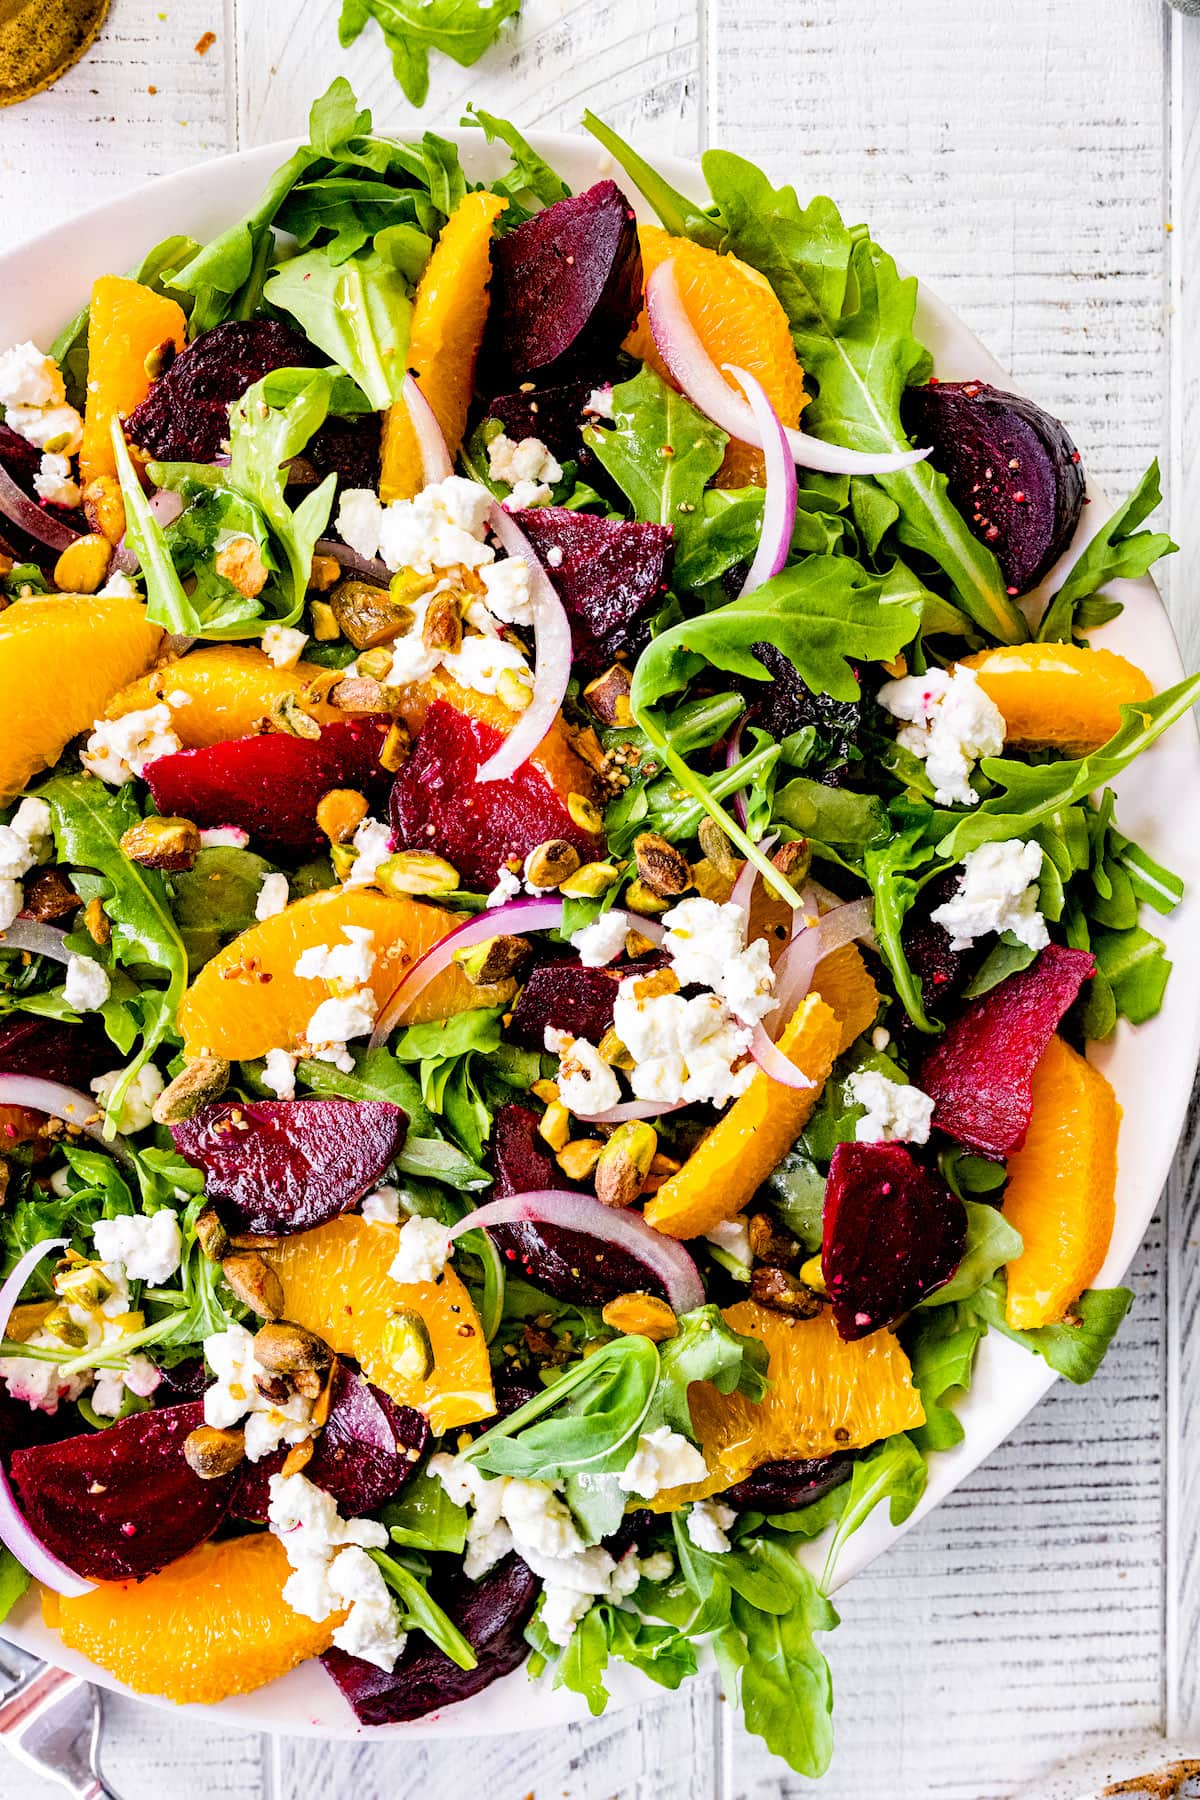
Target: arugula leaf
[421,1612]
[357,311]
[263,438]
[422,1517]
[166,602]
[1134,964]
[14,1581]
[824,614]
[460,29]
[895,1473]
[531,181]
[890,868]
[1033,793]
[595,1407]
[1076,1347]
[941,1348]
[991,1242]
[211,513]
[1118,550]
[832,819]
[215,900]
[704,1348]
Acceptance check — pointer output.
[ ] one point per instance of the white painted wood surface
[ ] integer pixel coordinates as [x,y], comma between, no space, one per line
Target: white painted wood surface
[1028,158]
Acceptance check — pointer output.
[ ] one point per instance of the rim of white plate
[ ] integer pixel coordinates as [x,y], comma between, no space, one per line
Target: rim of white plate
[1151,1069]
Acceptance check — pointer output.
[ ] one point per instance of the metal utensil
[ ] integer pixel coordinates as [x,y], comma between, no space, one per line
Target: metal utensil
[50,1721]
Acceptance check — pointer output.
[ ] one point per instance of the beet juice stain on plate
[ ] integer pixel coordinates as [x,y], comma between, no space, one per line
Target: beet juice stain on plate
[38,43]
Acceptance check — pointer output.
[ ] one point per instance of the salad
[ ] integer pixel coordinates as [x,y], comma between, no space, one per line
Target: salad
[559,869]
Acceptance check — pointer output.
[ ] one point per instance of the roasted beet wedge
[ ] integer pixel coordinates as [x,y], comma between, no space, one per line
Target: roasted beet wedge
[566,286]
[570,998]
[185,416]
[121,1503]
[785,1486]
[786,704]
[979,1073]
[349,449]
[942,972]
[271,785]
[21,461]
[53,1050]
[555,414]
[280,1166]
[612,575]
[521,1160]
[491,1614]
[1013,472]
[369,1448]
[437,804]
[893,1232]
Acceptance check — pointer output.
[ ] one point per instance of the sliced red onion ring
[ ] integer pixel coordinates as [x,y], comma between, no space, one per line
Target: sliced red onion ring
[733,754]
[624,1229]
[743,887]
[552,656]
[779,501]
[516,917]
[39,940]
[31,518]
[61,1102]
[15,1530]
[772,1061]
[694,370]
[166,505]
[353,563]
[797,965]
[633,1109]
[435,457]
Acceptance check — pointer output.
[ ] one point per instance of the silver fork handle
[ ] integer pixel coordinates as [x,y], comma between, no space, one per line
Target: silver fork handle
[51,1722]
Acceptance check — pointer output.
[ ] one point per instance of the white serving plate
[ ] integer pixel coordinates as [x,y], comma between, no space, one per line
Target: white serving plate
[45,281]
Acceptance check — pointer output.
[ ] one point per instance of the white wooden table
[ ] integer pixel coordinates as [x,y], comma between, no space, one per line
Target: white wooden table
[1039,162]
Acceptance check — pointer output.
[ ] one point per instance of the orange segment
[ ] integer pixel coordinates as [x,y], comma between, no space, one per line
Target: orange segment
[844,983]
[126,324]
[1061,1187]
[336,1283]
[213,1624]
[739,321]
[1059,694]
[823,1396]
[722,1173]
[221,692]
[450,311]
[249,1000]
[61,658]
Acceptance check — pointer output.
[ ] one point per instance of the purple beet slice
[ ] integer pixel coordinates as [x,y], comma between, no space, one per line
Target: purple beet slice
[610,576]
[979,1072]
[349,449]
[271,785]
[568,997]
[185,416]
[437,804]
[21,461]
[786,704]
[57,1052]
[281,1166]
[1012,470]
[521,1160]
[491,1614]
[785,1486]
[566,285]
[122,1503]
[893,1232]
[942,972]
[554,413]
[367,1451]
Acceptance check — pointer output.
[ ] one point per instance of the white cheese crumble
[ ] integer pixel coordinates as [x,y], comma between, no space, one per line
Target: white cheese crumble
[338,1020]
[951,723]
[87,986]
[41,1385]
[443,527]
[372,844]
[331,1568]
[221,837]
[30,378]
[528,467]
[423,1252]
[707,1523]
[54,482]
[706,942]
[272,896]
[383,1206]
[120,587]
[586,1084]
[508,598]
[508,886]
[733,1237]
[139,1376]
[279,1074]
[283,645]
[234,1396]
[137,1108]
[602,941]
[896,1113]
[57,428]
[119,749]
[148,1245]
[349,964]
[683,1050]
[663,1459]
[483,662]
[997,891]
[25,840]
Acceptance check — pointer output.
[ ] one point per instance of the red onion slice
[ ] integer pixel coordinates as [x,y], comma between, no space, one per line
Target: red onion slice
[552,657]
[743,887]
[695,372]
[15,1531]
[623,1229]
[733,755]
[779,501]
[435,457]
[362,566]
[633,1109]
[61,1102]
[797,965]
[32,518]
[38,939]
[772,1061]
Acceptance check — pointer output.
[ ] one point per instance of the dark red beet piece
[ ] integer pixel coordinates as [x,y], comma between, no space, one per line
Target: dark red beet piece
[568,997]
[185,416]
[22,1425]
[521,1160]
[784,1486]
[491,1614]
[786,704]
[979,1073]
[566,285]
[554,414]
[55,1051]
[942,972]
[437,804]
[187,1380]
[271,785]
[21,461]
[280,1166]
[1013,472]
[121,1503]
[349,449]
[893,1232]
[612,575]
[367,1451]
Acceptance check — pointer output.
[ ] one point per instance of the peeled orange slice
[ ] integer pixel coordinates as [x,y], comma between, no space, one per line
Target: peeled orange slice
[844,983]
[127,324]
[223,691]
[1059,694]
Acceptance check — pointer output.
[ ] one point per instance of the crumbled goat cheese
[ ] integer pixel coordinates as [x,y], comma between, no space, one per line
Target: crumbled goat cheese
[120,587]
[600,402]
[222,837]
[881,1037]
[338,1020]
[707,946]
[119,749]
[283,646]
[371,1629]
[443,527]
[139,1376]
[25,840]
[279,1074]
[87,986]
[330,1568]
[527,465]
[383,1206]
[54,482]
[586,1084]
[12,902]
[358,520]
[508,597]
[30,378]
[149,1245]
[234,1395]
[997,891]
[137,1108]
[663,1459]
[733,1237]
[372,844]
[42,1385]
[349,964]
[683,1050]
[423,1252]
[951,724]
[57,428]
[272,896]
[602,941]
[707,1523]
[482,663]
[896,1113]
[508,886]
